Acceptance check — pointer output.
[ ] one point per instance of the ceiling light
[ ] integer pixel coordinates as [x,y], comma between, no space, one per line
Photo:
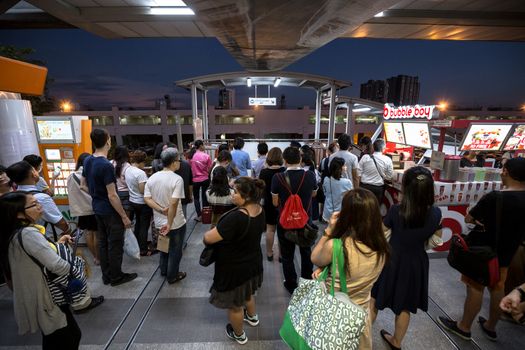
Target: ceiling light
[380,14]
[277,82]
[171,3]
[366,109]
[171,11]
[249,82]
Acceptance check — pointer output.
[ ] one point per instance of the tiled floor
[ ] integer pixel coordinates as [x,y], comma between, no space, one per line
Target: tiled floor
[150,314]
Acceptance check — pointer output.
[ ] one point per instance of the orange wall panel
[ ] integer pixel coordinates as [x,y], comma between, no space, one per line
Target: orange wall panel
[21,77]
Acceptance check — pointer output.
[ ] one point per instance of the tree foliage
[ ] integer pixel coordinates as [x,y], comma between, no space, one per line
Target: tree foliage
[39,104]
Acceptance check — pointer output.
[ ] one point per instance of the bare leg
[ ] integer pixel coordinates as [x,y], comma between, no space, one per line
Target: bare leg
[236,317]
[495,311]
[402,322]
[471,308]
[270,235]
[250,306]
[373,310]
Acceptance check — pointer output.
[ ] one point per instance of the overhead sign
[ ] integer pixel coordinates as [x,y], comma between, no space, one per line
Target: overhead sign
[408,112]
[442,123]
[262,101]
[485,137]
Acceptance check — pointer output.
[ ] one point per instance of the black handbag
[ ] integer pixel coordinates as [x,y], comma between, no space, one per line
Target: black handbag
[208,255]
[478,262]
[304,237]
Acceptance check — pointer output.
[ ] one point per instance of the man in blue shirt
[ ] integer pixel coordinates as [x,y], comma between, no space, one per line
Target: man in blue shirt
[100,182]
[240,158]
[258,165]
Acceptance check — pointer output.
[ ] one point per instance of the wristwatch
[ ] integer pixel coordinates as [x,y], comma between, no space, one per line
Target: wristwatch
[522,294]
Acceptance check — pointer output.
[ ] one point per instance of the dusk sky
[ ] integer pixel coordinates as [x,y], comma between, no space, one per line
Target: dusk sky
[98,72]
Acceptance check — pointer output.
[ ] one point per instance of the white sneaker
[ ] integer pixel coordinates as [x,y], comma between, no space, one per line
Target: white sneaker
[251,320]
[241,339]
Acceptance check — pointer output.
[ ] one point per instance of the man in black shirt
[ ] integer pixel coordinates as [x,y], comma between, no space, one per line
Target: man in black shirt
[504,239]
[280,193]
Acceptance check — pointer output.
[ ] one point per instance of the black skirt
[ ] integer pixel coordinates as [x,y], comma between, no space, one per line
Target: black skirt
[238,296]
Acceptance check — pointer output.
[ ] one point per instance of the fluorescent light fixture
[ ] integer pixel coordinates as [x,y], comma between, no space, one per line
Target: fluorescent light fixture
[171,3]
[277,82]
[366,109]
[171,11]
[380,14]
[249,82]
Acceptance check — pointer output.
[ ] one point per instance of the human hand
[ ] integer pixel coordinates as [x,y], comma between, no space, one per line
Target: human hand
[65,239]
[126,221]
[332,221]
[165,211]
[164,230]
[317,273]
[511,301]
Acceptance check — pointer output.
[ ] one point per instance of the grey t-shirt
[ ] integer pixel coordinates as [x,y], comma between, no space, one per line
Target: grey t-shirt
[351,162]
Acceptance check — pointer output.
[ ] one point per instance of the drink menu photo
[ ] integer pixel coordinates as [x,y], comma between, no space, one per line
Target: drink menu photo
[485,137]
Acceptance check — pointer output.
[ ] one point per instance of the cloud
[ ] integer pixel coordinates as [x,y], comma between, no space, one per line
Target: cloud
[107,91]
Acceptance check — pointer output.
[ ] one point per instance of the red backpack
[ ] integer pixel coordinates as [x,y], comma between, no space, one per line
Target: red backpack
[293,216]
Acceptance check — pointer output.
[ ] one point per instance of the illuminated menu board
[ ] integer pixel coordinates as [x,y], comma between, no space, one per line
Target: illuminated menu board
[517,140]
[394,132]
[485,137]
[417,134]
[50,131]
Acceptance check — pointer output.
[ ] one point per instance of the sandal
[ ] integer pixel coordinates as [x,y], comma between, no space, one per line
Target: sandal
[180,276]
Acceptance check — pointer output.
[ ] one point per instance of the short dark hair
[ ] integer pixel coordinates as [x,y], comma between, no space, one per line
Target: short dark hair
[2,169]
[365,140]
[198,143]
[514,166]
[138,157]
[34,160]
[379,145]
[224,156]
[344,141]
[99,137]
[251,190]
[274,157]
[19,172]
[332,147]
[262,148]
[292,155]
[238,143]
[223,147]
[295,144]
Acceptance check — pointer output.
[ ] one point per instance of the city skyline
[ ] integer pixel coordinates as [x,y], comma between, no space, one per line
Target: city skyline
[101,73]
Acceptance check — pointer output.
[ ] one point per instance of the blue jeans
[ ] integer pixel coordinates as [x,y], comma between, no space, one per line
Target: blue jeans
[169,262]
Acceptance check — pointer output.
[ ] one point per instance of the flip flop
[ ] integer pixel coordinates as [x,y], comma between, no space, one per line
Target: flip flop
[383,335]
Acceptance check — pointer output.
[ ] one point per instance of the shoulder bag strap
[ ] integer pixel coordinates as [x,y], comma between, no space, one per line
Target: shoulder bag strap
[75,177]
[21,243]
[338,264]
[380,174]
[283,182]
[290,184]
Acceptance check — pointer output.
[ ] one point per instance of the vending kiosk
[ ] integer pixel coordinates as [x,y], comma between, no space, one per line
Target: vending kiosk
[61,140]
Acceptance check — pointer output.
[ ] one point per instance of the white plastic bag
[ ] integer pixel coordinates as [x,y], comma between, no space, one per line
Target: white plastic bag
[131,246]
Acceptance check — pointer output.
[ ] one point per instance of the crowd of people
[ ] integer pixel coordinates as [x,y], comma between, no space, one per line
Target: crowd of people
[386,258]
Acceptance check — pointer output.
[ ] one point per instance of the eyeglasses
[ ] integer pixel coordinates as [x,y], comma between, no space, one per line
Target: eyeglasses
[37,204]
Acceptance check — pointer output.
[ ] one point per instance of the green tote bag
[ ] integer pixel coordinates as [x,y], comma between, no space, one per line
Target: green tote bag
[321,319]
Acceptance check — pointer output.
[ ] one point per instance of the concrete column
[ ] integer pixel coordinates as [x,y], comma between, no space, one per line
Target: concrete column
[318,107]
[205,115]
[195,111]
[331,121]
[350,125]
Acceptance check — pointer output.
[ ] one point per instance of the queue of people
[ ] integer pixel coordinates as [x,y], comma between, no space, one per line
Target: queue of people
[386,257]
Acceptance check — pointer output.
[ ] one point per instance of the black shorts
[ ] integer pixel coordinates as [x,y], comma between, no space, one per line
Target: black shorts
[88,222]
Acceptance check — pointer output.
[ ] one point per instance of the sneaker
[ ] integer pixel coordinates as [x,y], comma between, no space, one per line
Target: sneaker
[126,277]
[96,301]
[251,320]
[241,339]
[452,326]
[490,335]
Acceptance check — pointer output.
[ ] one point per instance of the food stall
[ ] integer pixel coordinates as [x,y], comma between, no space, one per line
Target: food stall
[455,189]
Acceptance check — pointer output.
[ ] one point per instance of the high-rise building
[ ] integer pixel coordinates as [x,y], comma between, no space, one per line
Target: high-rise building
[403,90]
[226,99]
[375,90]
